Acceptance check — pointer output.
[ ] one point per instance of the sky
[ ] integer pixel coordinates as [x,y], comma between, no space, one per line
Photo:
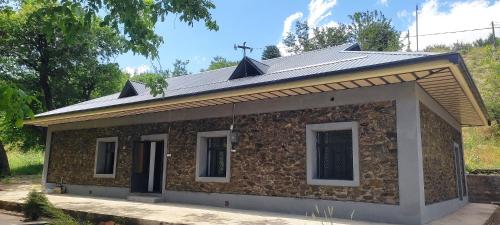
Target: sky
[265,22]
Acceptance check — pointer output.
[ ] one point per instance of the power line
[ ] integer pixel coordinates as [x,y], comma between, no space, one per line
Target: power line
[453,32]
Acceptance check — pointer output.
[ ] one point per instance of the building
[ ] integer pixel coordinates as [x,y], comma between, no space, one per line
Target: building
[376,135]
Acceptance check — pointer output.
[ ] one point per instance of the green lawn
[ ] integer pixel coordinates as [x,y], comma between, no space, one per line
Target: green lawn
[481,148]
[25,163]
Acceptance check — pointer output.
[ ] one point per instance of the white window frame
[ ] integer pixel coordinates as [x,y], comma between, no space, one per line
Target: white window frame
[201,152]
[106,139]
[311,130]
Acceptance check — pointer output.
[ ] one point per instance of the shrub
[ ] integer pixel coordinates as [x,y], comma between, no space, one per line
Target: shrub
[36,206]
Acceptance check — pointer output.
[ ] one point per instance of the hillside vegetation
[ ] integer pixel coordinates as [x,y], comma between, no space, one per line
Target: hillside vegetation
[482,144]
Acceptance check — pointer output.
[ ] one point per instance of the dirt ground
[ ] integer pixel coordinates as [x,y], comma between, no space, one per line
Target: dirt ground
[10,218]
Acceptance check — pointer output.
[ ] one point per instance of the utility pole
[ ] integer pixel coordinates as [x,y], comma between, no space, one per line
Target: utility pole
[244,47]
[408,49]
[416,23]
[493,33]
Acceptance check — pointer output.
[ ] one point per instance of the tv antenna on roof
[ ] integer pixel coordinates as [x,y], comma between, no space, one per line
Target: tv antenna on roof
[244,47]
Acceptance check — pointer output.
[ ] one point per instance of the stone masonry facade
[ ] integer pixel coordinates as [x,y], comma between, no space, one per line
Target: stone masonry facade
[437,150]
[270,158]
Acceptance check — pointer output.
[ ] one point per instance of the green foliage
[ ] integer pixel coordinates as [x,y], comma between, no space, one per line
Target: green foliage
[134,19]
[271,51]
[374,32]
[56,62]
[180,68]
[157,82]
[219,62]
[371,29]
[484,65]
[25,162]
[14,104]
[37,205]
[331,36]
[481,148]
[437,48]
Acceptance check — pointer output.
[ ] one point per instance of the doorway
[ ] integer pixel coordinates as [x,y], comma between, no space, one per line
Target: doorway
[148,166]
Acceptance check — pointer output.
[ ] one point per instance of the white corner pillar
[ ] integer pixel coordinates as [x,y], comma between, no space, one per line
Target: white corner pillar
[410,160]
[48,142]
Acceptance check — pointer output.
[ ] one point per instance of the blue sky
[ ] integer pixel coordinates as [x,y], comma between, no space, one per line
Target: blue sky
[261,23]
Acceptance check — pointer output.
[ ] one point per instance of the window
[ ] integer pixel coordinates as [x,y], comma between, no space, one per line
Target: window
[212,156]
[105,159]
[332,154]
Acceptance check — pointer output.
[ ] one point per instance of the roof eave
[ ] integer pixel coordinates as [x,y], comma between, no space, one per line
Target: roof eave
[451,57]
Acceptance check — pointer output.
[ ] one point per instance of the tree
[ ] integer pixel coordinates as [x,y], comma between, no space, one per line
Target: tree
[14,106]
[54,61]
[374,32]
[180,68]
[219,62]
[371,29]
[134,19]
[331,36]
[157,82]
[300,41]
[271,51]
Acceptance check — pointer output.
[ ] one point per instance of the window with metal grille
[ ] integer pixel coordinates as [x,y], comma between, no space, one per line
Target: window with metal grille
[216,156]
[334,155]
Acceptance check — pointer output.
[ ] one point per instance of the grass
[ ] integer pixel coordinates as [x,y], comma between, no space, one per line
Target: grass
[25,163]
[481,148]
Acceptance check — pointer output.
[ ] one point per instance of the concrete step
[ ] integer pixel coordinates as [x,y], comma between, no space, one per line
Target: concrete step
[145,198]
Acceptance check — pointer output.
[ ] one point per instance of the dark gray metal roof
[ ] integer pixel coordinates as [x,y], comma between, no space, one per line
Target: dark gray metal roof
[305,65]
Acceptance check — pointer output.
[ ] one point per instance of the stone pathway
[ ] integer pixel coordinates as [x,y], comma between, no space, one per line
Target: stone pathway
[171,213]
[174,213]
[471,214]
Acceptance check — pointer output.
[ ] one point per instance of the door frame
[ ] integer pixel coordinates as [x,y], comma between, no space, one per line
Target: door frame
[459,170]
[160,137]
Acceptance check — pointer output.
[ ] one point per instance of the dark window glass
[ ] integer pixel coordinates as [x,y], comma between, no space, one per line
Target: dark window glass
[216,157]
[105,158]
[334,155]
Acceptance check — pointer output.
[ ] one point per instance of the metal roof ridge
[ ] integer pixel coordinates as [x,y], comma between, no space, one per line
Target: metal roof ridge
[310,52]
[319,64]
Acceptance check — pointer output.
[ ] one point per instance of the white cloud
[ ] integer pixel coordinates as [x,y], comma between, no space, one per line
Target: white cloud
[402,14]
[464,15]
[288,23]
[319,10]
[383,2]
[137,70]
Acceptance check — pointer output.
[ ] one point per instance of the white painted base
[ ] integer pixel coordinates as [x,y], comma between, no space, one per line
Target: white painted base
[145,199]
[300,206]
[441,209]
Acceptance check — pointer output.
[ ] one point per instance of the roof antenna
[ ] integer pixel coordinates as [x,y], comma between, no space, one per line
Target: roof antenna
[244,47]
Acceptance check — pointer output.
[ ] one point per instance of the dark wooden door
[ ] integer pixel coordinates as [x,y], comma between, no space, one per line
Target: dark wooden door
[140,167]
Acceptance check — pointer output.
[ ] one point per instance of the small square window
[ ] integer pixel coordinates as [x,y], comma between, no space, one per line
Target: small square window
[332,154]
[105,158]
[212,156]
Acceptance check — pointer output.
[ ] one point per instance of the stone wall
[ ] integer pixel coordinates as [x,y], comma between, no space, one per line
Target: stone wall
[270,158]
[437,150]
[483,188]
